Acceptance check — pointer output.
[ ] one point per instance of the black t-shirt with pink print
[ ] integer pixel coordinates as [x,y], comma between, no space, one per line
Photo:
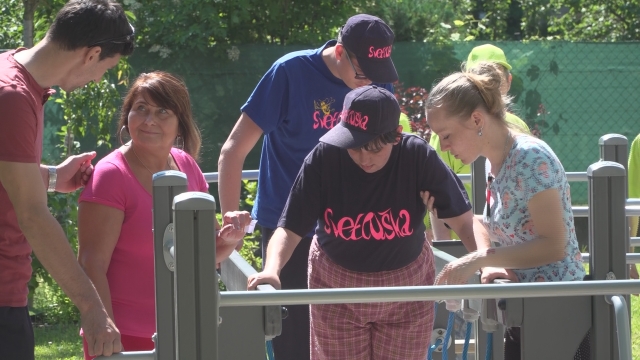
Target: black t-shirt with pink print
[370,222]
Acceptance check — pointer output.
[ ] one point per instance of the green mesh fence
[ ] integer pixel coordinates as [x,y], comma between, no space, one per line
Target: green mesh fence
[571,93]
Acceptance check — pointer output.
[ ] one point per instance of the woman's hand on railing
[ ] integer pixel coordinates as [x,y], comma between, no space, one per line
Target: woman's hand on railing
[491,273]
[264,277]
[460,271]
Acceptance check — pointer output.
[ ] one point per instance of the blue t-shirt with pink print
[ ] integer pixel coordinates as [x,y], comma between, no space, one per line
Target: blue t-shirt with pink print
[532,167]
[296,102]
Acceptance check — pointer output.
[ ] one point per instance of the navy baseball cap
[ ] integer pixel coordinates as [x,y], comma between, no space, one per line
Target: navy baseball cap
[368,112]
[371,41]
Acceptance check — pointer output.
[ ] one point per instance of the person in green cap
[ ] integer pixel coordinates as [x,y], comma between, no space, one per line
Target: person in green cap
[482,53]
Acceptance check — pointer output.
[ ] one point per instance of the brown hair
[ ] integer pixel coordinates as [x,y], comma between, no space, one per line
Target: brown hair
[463,92]
[170,92]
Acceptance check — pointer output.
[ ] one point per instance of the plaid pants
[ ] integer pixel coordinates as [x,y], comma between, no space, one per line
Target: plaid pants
[373,331]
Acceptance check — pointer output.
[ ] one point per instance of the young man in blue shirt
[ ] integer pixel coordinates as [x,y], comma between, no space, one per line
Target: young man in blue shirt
[296,102]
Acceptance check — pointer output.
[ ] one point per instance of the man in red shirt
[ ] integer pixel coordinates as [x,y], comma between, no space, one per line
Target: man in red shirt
[86,38]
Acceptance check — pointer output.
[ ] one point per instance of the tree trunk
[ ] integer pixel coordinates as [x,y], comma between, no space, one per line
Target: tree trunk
[27,22]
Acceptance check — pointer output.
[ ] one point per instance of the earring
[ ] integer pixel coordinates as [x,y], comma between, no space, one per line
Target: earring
[122,130]
[480,132]
[179,143]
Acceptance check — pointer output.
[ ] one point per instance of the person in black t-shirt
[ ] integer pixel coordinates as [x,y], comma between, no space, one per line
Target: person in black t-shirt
[361,189]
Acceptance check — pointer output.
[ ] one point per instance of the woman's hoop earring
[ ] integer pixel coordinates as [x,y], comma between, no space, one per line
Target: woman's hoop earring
[122,130]
[179,143]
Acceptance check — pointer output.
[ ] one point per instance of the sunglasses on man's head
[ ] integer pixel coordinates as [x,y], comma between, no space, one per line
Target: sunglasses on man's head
[123,39]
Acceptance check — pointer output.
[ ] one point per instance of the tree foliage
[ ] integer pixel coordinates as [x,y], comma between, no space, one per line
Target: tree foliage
[573,20]
[420,20]
[593,20]
[11,30]
[198,24]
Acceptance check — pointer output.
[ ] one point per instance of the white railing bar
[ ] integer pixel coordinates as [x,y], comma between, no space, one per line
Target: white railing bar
[633,202]
[212,177]
[428,293]
[634,241]
[633,205]
[632,258]
[583,211]
[465,178]
[577,176]
[131,355]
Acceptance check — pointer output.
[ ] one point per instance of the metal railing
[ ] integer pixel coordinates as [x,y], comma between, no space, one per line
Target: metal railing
[193,332]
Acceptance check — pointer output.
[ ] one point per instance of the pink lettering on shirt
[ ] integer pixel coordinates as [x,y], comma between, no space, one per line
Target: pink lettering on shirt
[325,121]
[372,225]
[381,53]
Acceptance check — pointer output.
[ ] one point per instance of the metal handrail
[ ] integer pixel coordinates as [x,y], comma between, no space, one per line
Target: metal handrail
[212,177]
[130,355]
[428,293]
[632,258]
[622,325]
[633,205]
[630,210]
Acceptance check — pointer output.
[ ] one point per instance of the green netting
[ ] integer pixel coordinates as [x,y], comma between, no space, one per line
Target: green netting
[586,89]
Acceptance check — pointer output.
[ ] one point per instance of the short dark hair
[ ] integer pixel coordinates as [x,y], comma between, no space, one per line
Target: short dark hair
[378,143]
[170,92]
[86,23]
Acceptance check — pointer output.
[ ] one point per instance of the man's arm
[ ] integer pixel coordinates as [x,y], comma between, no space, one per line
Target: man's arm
[24,185]
[243,138]
[72,173]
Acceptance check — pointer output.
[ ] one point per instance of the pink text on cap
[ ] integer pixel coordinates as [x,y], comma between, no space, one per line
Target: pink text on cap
[355,118]
[381,53]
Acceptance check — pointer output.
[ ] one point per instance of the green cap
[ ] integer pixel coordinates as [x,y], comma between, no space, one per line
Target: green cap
[487,52]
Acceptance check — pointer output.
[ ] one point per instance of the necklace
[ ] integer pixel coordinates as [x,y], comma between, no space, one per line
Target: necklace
[504,154]
[504,149]
[491,176]
[145,166]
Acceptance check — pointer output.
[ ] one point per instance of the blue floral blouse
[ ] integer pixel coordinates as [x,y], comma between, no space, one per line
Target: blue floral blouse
[531,167]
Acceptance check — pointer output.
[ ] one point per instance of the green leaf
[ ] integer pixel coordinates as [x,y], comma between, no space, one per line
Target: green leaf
[130,15]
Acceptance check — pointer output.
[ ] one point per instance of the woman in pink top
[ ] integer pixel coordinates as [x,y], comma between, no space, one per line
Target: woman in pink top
[115,213]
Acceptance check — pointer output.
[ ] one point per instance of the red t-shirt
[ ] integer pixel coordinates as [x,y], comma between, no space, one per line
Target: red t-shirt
[21,126]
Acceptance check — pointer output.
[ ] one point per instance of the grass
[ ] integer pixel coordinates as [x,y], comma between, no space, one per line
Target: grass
[59,342]
[63,341]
